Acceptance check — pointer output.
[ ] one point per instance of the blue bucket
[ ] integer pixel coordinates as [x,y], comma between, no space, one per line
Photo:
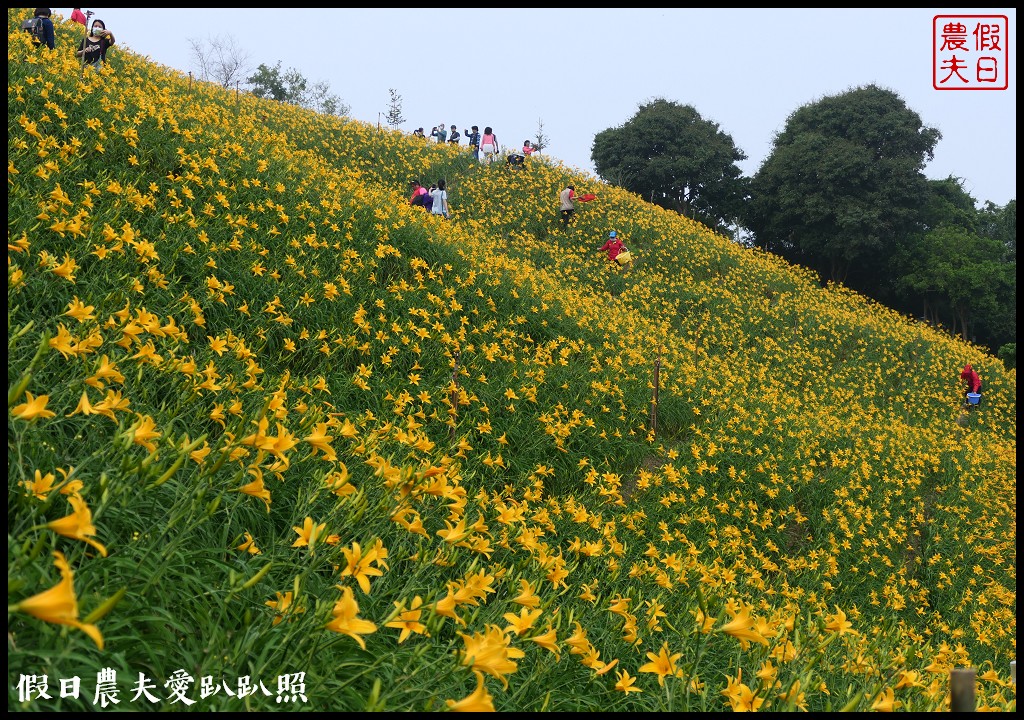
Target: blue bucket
[974,398]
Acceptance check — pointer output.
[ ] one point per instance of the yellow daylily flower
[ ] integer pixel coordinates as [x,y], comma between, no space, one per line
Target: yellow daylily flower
[408,620]
[490,652]
[309,533]
[283,605]
[477,701]
[144,433]
[345,621]
[625,683]
[58,604]
[78,525]
[662,664]
[32,408]
[249,545]
[359,565]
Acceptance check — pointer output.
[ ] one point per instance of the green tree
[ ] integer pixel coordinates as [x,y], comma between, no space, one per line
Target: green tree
[395,118]
[671,156]
[271,83]
[963,271]
[1000,223]
[291,86]
[843,184]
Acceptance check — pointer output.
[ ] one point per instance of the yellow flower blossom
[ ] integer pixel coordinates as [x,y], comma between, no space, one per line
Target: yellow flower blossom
[548,641]
[59,604]
[477,701]
[144,433]
[491,653]
[284,607]
[626,683]
[662,664]
[346,620]
[838,623]
[32,408]
[886,702]
[408,620]
[522,622]
[249,545]
[309,533]
[359,565]
[78,525]
[527,596]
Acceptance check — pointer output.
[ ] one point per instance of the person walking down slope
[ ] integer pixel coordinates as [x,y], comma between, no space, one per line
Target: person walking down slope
[489,146]
[567,203]
[970,377]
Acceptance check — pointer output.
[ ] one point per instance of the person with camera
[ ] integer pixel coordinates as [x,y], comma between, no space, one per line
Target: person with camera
[474,141]
[94,46]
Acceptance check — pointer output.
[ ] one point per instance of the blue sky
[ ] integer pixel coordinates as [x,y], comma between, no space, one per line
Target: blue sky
[582,70]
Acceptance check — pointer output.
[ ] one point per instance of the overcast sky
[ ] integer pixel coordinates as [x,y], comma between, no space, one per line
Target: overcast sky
[584,70]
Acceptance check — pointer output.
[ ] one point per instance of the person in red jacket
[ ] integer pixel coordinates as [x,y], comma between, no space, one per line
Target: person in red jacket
[613,245]
[970,376]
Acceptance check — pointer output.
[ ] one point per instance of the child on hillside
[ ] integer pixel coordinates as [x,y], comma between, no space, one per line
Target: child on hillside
[613,245]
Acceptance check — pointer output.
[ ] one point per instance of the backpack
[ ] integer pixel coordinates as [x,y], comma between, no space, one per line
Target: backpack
[34,27]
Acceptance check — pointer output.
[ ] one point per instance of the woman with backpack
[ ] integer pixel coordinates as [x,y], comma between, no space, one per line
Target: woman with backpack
[40,27]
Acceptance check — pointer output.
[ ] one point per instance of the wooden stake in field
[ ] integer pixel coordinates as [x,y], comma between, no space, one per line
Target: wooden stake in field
[454,395]
[653,421]
[961,689]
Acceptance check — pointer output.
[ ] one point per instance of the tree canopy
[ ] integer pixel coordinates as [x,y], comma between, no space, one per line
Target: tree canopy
[843,183]
[671,156]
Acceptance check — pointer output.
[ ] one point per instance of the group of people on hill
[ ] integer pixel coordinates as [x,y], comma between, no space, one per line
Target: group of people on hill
[484,146]
[93,47]
[434,200]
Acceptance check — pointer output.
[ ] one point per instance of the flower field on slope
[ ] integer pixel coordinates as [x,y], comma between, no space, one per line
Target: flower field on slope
[276,436]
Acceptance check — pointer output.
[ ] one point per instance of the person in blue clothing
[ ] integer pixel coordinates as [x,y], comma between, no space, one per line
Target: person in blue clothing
[48,37]
[474,141]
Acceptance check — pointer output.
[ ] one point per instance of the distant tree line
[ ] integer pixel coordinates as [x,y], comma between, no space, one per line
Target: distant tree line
[843,192]
[220,59]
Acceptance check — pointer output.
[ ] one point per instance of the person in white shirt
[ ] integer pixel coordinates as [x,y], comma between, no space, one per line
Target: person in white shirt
[440,197]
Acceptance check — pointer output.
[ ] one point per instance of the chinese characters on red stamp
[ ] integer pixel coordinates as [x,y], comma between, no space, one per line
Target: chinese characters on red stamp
[970,52]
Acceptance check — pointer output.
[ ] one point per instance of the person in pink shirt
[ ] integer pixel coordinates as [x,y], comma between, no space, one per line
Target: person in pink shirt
[78,16]
[488,146]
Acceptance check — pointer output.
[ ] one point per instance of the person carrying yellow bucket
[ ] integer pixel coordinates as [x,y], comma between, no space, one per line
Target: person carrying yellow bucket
[616,250]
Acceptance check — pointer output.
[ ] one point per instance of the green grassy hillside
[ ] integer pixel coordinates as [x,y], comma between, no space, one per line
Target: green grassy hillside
[269,424]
